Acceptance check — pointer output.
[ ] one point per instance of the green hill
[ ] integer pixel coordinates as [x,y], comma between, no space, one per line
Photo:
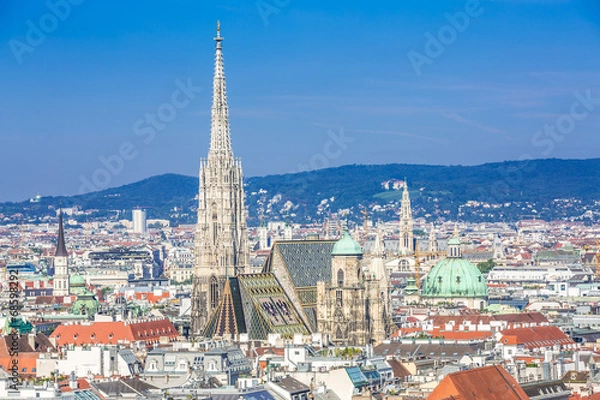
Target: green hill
[508,191]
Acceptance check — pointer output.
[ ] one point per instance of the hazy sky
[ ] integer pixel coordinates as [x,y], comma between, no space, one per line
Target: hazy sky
[311,83]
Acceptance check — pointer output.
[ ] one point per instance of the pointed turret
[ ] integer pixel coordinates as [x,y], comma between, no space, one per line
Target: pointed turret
[379,246]
[61,247]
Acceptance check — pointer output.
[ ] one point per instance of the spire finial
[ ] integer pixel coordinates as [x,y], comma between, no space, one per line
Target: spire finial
[61,248]
[220,143]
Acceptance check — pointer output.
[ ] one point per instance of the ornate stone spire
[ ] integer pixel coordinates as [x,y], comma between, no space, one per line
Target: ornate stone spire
[220,140]
[61,247]
[379,246]
[221,243]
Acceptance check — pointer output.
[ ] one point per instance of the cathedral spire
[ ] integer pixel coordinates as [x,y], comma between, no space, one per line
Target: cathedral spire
[221,243]
[61,248]
[220,141]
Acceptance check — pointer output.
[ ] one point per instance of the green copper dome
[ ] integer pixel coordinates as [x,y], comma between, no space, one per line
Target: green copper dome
[346,246]
[76,280]
[454,277]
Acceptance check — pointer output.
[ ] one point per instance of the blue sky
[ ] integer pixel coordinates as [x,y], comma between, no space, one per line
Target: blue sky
[299,73]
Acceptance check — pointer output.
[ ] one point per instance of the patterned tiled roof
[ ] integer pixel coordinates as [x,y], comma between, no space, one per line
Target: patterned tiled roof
[255,304]
[271,304]
[308,261]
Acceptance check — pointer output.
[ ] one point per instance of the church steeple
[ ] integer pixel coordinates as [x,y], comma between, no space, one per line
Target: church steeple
[406,223]
[61,263]
[61,247]
[220,140]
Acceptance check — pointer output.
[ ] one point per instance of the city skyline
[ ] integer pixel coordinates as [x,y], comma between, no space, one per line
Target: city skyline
[372,75]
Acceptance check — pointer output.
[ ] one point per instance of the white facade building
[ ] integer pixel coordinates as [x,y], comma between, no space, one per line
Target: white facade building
[139,221]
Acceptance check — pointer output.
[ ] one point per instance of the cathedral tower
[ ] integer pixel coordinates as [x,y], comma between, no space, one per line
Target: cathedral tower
[221,244]
[61,263]
[353,307]
[406,224]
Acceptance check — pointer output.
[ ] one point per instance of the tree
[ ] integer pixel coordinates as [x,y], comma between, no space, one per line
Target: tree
[486,266]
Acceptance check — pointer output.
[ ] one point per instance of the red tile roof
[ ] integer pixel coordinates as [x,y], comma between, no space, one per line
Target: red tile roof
[536,337]
[151,297]
[490,383]
[114,332]
[518,318]
[460,335]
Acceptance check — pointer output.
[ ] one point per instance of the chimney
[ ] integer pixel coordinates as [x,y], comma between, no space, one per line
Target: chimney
[31,340]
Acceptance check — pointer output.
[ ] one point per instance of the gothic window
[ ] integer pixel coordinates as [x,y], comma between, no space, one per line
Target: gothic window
[214,223]
[481,305]
[439,279]
[338,333]
[214,292]
[340,277]
[458,279]
[338,298]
